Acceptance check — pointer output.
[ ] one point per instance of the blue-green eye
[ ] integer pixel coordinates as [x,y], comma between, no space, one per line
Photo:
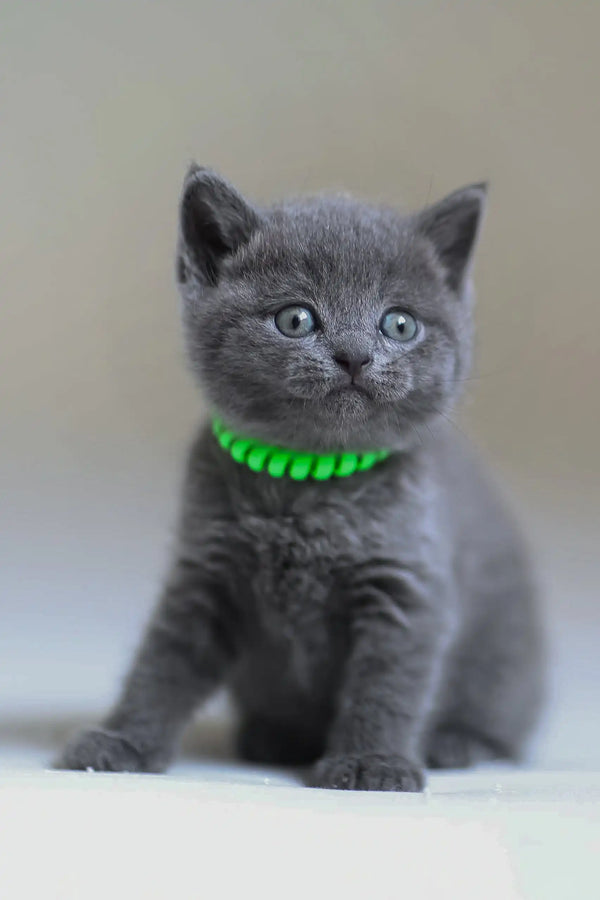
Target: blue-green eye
[295,321]
[399,325]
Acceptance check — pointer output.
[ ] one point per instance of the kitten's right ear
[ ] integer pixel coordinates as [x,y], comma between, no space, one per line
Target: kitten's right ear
[214,222]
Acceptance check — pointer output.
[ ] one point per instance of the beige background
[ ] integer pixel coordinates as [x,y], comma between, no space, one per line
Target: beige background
[104,103]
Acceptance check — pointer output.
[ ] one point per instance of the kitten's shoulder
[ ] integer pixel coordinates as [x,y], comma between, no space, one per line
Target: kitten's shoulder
[203,486]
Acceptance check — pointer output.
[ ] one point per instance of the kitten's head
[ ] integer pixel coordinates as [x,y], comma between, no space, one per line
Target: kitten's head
[325,323]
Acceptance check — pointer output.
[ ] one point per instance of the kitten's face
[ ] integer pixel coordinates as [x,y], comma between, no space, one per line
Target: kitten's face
[326,324]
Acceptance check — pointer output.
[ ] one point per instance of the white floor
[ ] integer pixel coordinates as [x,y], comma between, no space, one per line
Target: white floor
[219,828]
[215,827]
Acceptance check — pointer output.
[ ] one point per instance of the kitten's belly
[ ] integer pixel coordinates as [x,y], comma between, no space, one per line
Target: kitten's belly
[290,672]
[294,636]
[284,685]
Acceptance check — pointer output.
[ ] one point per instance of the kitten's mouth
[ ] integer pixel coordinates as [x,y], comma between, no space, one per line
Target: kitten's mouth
[352,388]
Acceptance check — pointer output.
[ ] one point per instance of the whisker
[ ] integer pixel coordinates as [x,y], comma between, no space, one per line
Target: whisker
[428,429]
[428,196]
[416,431]
[451,421]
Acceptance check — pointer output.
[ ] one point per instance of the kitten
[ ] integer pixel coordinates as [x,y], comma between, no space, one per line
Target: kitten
[368,624]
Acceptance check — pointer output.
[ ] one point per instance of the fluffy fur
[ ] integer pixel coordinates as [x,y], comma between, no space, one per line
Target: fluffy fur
[371,625]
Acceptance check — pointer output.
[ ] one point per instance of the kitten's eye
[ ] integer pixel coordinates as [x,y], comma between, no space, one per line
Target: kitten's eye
[399,325]
[295,321]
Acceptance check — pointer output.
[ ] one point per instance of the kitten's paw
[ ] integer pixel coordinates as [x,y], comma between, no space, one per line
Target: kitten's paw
[452,748]
[372,772]
[102,751]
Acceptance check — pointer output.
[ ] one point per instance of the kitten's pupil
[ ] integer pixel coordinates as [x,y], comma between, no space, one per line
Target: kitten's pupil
[296,321]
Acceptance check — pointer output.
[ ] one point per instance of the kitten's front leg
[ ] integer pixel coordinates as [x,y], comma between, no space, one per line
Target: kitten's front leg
[385,696]
[182,659]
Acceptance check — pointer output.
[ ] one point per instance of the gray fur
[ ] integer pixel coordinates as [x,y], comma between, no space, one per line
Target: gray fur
[367,625]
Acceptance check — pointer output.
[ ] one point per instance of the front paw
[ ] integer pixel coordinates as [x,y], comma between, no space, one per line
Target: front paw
[101,751]
[371,772]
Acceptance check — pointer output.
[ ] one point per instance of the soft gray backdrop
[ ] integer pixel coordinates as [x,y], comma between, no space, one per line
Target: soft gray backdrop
[104,103]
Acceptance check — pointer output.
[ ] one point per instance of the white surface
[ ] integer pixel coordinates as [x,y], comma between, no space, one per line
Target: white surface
[216,827]
[221,827]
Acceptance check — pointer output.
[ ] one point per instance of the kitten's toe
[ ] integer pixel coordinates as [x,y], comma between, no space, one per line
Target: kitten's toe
[101,751]
[373,772]
[452,748]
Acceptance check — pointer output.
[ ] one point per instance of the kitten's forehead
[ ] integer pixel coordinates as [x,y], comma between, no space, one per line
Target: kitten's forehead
[337,243]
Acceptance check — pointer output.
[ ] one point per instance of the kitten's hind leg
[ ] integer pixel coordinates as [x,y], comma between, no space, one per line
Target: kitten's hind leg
[453,747]
[182,659]
[494,686]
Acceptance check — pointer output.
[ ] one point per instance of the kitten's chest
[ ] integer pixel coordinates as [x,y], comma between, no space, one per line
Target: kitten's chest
[292,589]
[296,559]
[296,547]
[293,564]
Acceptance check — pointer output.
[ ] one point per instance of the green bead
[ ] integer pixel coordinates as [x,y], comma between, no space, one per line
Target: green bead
[366,461]
[256,458]
[347,465]
[239,449]
[323,467]
[278,462]
[225,439]
[300,467]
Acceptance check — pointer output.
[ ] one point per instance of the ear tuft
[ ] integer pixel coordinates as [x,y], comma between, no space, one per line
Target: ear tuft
[453,225]
[215,221]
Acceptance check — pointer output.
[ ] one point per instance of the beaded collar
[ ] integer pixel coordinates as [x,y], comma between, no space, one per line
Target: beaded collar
[299,465]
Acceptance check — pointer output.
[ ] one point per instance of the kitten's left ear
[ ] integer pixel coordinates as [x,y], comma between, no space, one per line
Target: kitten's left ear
[452,225]
[215,221]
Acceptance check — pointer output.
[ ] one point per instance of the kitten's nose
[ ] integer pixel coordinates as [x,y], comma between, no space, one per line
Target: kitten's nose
[353,363]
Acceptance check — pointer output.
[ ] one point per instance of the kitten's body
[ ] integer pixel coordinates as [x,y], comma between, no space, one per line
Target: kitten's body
[371,622]
[299,557]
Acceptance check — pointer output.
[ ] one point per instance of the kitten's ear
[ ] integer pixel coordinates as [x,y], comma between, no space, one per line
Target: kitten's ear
[214,221]
[452,225]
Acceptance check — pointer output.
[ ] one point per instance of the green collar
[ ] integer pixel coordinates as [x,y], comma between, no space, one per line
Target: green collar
[278,461]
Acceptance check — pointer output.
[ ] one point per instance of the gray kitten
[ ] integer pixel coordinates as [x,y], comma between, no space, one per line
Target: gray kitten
[371,624]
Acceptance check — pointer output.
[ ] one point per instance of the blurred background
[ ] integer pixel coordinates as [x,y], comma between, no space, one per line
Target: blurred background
[103,105]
